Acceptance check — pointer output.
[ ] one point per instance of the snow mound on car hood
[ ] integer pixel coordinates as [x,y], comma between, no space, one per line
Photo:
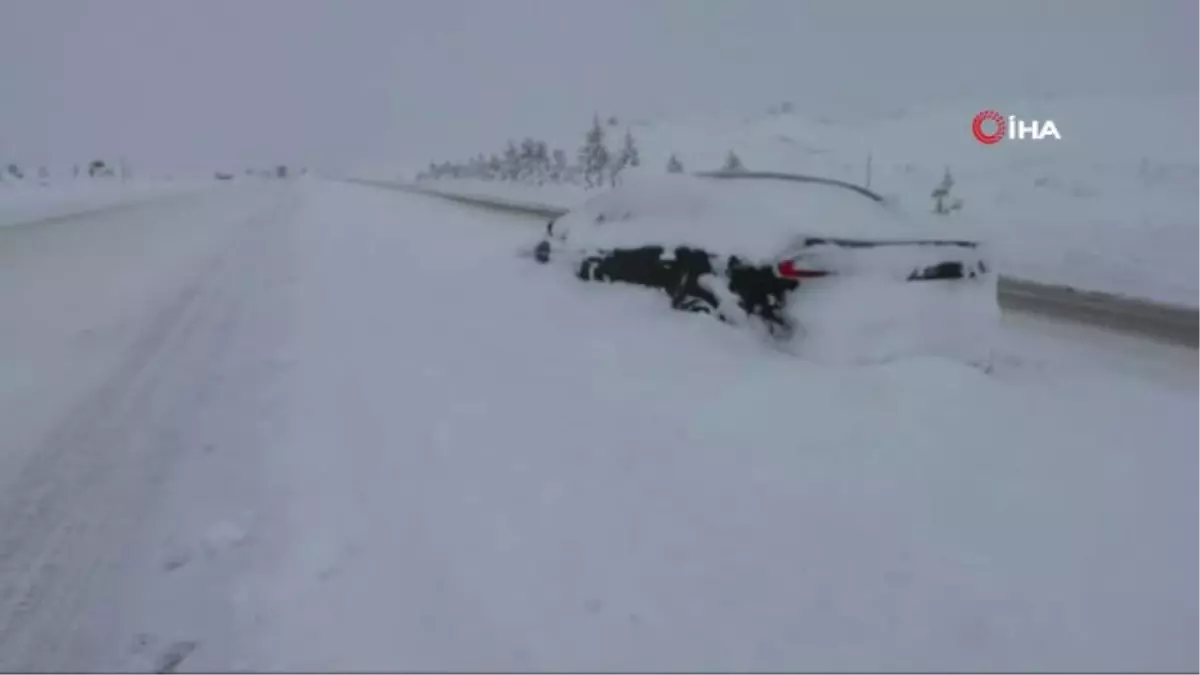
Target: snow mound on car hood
[748,216]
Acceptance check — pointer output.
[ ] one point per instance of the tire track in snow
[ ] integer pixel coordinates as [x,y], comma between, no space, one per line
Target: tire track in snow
[75,513]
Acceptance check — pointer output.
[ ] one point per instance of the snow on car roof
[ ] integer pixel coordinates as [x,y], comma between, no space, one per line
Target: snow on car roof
[751,216]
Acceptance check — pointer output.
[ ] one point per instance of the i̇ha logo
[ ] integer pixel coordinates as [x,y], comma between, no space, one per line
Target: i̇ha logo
[990,127]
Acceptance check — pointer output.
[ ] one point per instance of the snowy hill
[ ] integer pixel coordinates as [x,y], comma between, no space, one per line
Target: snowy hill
[1112,206]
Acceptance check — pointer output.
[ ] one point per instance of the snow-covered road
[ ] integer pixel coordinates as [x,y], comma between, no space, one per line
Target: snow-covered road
[319,426]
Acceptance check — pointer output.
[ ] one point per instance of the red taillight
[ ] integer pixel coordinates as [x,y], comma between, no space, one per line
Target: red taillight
[788,270]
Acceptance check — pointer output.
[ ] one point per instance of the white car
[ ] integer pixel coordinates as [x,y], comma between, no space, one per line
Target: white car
[833,270]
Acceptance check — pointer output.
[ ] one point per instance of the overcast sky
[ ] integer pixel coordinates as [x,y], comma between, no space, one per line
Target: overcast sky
[327,83]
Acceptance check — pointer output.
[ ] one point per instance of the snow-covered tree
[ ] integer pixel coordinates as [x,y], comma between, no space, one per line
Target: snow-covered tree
[478,167]
[534,160]
[733,162]
[615,168]
[674,165]
[15,172]
[527,159]
[626,157]
[943,202]
[629,150]
[541,155]
[558,165]
[593,156]
[511,164]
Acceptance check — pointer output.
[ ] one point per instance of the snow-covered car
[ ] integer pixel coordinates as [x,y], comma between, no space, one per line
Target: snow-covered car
[832,270]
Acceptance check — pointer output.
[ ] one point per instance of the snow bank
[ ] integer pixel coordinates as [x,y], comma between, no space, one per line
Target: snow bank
[26,203]
[871,319]
[523,473]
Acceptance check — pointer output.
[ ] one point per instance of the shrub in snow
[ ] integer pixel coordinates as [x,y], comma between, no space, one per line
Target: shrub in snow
[733,162]
[613,121]
[943,202]
[593,156]
[674,165]
[15,172]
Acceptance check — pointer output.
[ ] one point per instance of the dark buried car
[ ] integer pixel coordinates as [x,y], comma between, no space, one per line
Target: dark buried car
[828,266]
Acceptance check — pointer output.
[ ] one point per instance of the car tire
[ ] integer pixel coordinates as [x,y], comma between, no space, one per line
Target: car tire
[689,296]
[589,270]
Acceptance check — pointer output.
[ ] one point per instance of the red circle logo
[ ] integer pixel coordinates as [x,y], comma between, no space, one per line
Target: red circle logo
[983,136]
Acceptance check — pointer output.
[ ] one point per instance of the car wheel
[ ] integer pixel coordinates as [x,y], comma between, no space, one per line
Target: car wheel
[590,270]
[689,296]
[693,304]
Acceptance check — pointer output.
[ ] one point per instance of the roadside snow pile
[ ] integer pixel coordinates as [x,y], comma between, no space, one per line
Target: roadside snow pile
[27,203]
[540,475]
[872,319]
[1112,206]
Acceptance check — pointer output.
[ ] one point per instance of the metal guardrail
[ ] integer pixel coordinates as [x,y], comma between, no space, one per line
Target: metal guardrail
[1146,318]
[482,201]
[794,177]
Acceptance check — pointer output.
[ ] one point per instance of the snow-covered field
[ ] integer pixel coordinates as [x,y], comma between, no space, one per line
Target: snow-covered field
[319,426]
[30,201]
[1113,206]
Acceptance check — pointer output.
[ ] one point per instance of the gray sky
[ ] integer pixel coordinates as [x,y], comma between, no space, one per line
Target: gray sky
[209,83]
